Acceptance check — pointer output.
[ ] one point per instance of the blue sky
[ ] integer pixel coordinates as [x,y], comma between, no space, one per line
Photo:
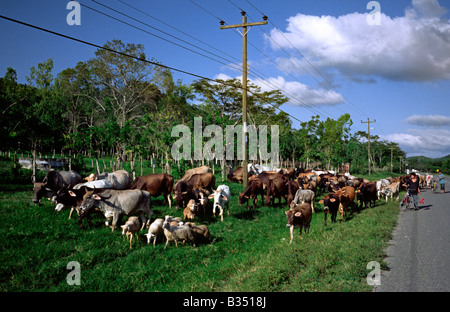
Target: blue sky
[325,55]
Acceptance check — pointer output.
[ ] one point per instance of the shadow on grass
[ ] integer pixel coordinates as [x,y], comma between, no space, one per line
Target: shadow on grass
[247,214]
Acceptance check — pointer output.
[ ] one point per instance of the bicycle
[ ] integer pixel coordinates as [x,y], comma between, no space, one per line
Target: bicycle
[406,201]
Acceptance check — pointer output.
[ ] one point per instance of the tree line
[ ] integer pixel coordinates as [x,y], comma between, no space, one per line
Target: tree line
[126,107]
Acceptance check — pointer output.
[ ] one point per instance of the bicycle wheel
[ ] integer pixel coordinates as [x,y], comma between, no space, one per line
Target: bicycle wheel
[403,203]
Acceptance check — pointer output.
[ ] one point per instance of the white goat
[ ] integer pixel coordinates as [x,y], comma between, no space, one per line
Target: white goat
[155,230]
[189,211]
[176,233]
[131,227]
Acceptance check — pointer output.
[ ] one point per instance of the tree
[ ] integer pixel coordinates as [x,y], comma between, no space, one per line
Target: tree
[332,135]
[126,88]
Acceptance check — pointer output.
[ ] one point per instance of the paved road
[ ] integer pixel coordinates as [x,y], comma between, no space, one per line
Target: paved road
[419,254]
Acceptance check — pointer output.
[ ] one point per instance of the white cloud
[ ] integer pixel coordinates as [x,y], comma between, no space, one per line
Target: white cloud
[413,47]
[427,8]
[299,94]
[429,142]
[429,120]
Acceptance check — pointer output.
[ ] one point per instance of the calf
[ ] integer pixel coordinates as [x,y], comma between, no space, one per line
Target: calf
[311,185]
[236,176]
[367,193]
[201,199]
[222,198]
[298,217]
[266,176]
[72,198]
[380,185]
[331,203]
[253,189]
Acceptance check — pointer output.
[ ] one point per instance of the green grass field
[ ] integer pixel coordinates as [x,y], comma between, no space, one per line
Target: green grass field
[250,251]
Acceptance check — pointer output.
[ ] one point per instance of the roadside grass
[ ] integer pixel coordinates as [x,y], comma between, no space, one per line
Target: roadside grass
[250,250]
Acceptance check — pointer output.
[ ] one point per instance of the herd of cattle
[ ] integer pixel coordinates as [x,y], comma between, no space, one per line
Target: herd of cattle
[116,194]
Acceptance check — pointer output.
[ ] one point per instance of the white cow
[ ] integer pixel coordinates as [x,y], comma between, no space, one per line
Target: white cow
[257,169]
[221,197]
[381,184]
[391,190]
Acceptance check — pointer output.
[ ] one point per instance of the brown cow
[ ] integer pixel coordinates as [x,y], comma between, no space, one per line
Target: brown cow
[298,217]
[156,184]
[254,188]
[188,174]
[205,181]
[289,171]
[184,189]
[331,205]
[236,176]
[276,188]
[347,198]
[266,176]
[293,186]
[367,193]
[310,176]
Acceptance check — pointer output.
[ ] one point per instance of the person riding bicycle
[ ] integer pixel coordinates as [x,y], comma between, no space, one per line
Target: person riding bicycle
[441,179]
[412,185]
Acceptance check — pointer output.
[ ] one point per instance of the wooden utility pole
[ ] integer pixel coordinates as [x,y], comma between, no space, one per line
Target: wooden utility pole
[244,26]
[368,139]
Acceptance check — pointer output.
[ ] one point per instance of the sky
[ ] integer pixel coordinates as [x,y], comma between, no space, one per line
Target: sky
[384,61]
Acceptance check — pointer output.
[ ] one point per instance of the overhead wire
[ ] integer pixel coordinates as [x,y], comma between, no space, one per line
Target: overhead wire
[157,36]
[236,68]
[130,56]
[331,86]
[292,97]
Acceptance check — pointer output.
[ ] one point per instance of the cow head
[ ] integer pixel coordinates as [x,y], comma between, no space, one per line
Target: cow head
[243,198]
[219,199]
[40,190]
[290,215]
[329,201]
[202,196]
[89,200]
[180,194]
[68,197]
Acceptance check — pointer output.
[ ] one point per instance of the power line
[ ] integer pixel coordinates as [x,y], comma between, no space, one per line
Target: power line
[266,83]
[179,30]
[292,98]
[159,37]
[131,56]
[306,59]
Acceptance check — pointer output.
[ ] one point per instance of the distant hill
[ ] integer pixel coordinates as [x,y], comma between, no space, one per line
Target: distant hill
[424,163]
